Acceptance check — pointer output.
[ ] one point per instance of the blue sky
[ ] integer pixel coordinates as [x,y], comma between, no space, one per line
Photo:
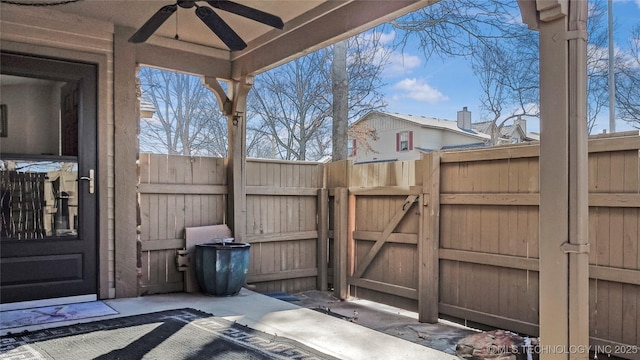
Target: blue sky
[440,88]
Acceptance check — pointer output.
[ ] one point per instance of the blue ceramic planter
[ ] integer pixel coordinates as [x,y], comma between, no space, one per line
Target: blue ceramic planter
[221,268]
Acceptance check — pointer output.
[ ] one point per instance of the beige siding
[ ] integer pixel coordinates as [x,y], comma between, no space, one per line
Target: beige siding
[384,148]
[428,135]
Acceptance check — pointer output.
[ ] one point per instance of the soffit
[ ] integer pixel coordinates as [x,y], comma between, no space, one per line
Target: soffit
[308,25]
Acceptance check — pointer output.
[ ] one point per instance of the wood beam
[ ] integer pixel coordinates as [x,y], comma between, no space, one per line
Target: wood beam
[342,21]
[323,239]
[237,182]
[429,240]
[214,86]
[234,106]
[554,187]
[340,239]
[174,59]
[385,288]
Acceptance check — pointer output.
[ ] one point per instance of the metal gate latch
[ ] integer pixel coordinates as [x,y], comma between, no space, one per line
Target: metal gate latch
[568,247]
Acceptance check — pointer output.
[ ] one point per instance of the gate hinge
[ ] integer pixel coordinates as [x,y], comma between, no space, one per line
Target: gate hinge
[570,35]
[568,248]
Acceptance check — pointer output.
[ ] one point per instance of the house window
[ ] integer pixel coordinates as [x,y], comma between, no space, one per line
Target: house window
[351,147]
[404,141]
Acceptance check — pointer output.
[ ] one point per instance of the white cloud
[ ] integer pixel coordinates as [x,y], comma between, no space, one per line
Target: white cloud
[598,58]
[401,64]
[637,2]
[379,37]
[418,89]
[374,45]
[387,38]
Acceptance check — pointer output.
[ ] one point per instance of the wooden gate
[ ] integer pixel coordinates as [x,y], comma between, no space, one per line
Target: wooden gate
[383,234]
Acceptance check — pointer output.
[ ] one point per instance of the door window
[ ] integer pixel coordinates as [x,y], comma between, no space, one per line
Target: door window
[39,199]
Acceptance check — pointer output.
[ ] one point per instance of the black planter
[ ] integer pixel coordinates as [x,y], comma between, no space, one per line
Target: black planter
[221,268]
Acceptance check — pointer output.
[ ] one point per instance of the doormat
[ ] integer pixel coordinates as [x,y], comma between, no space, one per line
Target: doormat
[174,334]
[48,314]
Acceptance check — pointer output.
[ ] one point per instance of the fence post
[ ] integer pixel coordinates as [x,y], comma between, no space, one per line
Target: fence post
[323,239]
[340,239]
[429,240]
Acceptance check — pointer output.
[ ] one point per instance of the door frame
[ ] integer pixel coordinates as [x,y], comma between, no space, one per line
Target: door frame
[87,75]
[105,126]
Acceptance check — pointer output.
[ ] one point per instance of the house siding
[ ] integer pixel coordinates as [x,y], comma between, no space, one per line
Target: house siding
[388,128]
[385,148]
[46,32]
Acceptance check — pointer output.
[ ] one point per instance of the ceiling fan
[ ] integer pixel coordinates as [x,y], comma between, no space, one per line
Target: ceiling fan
[209,18]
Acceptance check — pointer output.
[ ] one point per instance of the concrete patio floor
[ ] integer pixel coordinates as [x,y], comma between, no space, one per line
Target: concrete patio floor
[375,332]
[396,322]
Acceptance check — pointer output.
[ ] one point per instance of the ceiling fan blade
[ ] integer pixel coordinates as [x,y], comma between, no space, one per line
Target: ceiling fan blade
[220,28]
[248,12]
[153,24]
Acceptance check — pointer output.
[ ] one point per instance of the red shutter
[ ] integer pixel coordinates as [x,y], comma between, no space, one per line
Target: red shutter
[410,140]
[398,142]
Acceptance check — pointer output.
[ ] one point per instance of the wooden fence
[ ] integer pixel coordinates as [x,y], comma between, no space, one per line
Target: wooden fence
[282,219]
[175,192]
[452,235]
[283,224]
[459,239]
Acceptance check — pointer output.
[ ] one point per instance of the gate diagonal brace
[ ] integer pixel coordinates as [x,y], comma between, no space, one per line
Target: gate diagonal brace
[569,248]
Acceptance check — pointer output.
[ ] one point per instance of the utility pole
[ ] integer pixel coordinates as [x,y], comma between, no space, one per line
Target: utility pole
[612,78]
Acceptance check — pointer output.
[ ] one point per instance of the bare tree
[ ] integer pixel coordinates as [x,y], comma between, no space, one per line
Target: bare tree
[291,107]
[504,55]
[597,63]
[187,120]
[292,102]
[507,71]
[628,82]
[458,27]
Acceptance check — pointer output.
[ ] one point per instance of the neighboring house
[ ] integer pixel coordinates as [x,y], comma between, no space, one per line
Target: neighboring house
[509,134]
[404,137]
[147,109]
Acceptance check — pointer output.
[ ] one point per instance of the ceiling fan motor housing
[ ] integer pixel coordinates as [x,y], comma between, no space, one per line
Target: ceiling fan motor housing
[186,4]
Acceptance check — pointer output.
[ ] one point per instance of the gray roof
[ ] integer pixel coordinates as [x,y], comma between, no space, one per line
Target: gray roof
[430,122]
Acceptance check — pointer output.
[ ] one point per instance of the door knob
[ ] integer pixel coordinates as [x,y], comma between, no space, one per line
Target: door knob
[91,181]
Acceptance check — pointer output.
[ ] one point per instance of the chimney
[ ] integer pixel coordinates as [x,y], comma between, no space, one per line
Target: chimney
[523,124]
[464,119]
